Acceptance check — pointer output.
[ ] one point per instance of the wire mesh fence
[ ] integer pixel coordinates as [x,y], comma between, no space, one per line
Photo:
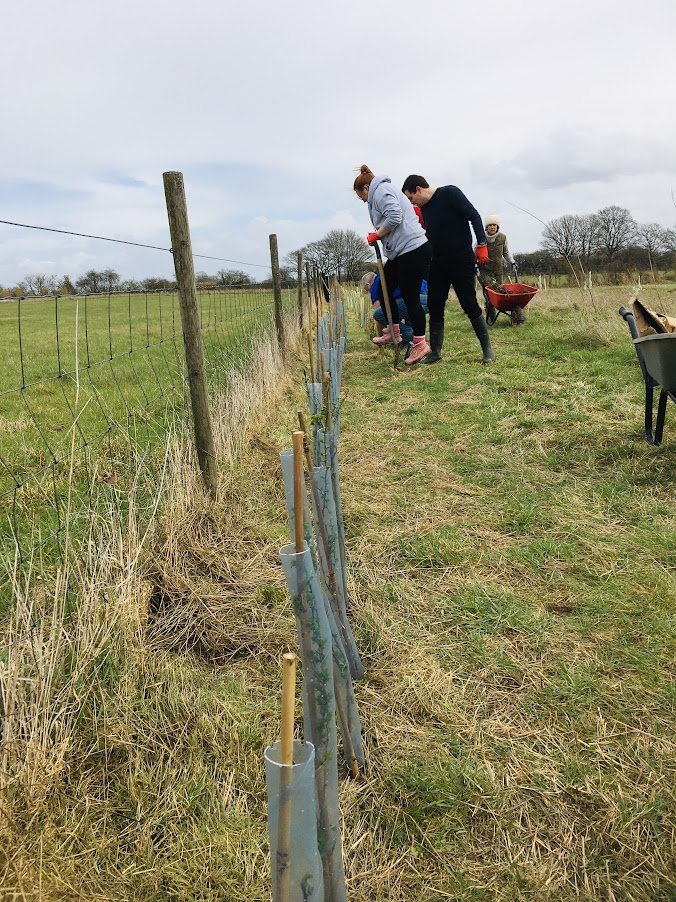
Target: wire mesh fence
[91,386]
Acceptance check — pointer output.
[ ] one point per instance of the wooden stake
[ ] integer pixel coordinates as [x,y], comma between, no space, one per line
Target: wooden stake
[298,491]
[288,705]
[326,383]
[285,774]
[299,286]
[277,291]
[306,442]
[310,346]
[342,714]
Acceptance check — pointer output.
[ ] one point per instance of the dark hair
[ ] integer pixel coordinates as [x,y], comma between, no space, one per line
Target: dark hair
[364,178]
[413,182]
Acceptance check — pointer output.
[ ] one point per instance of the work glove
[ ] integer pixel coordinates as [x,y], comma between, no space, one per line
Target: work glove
[372,238]
[515,267]
[482,254]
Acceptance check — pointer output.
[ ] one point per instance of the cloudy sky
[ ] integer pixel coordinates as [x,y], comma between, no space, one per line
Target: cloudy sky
[267,108]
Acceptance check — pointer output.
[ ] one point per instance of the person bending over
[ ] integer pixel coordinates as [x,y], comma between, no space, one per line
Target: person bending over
[370,282]
[407,250]
[448,214]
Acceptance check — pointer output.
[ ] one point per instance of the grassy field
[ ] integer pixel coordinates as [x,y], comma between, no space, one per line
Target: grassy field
[512,572]
[87,383]
[125,349]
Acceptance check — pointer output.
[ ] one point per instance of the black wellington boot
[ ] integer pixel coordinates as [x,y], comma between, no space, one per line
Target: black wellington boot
[481,330]
[436,342]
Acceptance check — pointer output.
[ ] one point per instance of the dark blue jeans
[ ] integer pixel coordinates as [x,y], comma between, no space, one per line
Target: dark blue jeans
[406,273]
[406,330]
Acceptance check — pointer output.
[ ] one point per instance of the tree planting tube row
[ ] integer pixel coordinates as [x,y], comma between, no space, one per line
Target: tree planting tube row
[319,711]
[341,634]
[296,792]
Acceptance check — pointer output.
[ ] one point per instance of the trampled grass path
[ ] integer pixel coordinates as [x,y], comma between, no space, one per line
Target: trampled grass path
[513,553]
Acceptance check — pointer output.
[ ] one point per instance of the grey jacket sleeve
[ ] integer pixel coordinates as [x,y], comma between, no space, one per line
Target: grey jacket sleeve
[389,208]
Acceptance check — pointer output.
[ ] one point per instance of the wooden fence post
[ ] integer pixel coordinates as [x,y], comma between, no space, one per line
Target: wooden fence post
[179,229]
[308,284]
[299,280]
[277,289]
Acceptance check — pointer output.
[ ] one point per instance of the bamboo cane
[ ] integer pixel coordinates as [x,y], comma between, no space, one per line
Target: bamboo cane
[326,383]
[285,776]
[298,491]
[331,877]
[333,588]
[310,343]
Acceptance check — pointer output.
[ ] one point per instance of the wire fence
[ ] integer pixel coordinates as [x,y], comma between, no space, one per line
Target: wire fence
[90,388]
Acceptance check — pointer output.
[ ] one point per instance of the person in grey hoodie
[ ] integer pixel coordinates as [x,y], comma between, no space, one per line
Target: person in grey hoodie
[408,253]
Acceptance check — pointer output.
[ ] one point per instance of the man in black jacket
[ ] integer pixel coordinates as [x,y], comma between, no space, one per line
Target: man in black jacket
[448,214]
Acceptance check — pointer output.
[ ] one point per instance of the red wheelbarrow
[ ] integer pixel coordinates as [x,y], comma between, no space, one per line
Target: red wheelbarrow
[505,299]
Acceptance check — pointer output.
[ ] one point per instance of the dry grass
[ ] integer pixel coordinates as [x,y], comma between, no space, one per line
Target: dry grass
[511,579]
[86,664]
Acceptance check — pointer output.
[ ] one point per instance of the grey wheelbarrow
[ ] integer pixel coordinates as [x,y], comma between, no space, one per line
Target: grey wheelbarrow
[657,358]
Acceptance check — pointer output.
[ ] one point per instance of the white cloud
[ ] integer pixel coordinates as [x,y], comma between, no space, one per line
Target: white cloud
[268,108]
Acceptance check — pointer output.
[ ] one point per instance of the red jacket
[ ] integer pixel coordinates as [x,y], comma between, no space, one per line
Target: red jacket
[418,213]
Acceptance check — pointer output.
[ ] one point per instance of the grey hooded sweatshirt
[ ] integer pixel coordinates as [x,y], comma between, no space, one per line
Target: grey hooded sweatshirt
[391,209]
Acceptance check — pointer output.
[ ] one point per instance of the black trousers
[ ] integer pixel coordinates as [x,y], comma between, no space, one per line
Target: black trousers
[457,271]
[406,273]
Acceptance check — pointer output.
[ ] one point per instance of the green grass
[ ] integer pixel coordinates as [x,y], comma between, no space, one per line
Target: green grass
[511,552]
[94,382]
[526,543]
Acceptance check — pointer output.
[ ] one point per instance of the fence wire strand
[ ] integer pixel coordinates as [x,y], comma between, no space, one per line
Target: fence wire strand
[93,379]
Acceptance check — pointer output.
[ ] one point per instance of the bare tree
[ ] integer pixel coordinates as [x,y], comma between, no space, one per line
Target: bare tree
[130,285]
[654,238]
[204,280]
[38,284]
[587,238]
[616,231]
[110,280]
[156,283]
[65,286]
[560,236]
[90,283]
[318,253]
[350,253]
[230,277]
[341,253]
[291,259]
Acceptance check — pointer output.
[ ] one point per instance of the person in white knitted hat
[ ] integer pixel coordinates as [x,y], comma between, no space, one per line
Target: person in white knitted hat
[498,253]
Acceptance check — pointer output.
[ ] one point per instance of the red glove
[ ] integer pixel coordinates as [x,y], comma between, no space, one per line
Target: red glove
[372,237]
[482,254]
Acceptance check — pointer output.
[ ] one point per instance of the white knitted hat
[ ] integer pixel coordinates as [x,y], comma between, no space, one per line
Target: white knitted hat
[493,219]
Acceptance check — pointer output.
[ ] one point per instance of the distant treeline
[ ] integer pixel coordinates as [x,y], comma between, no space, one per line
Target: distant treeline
[104,281]
[609,243]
